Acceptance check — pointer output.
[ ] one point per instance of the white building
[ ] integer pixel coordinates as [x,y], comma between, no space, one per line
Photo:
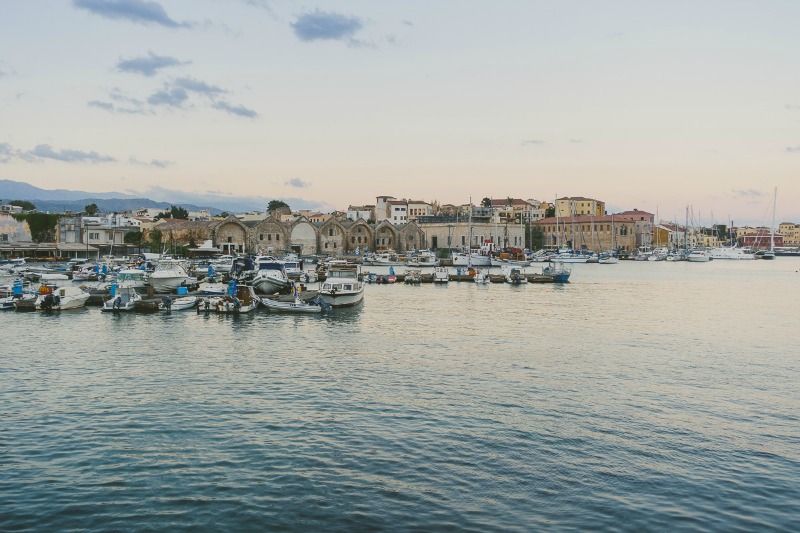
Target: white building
[366,212]
[398,211]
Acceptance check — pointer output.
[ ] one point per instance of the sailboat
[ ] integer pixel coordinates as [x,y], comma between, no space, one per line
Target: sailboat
[608,258]
[770,254]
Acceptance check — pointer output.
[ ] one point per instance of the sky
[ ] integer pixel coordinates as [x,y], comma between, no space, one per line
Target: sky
[650,105]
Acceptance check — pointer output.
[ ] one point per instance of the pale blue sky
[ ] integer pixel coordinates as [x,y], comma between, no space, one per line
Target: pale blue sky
[649,105]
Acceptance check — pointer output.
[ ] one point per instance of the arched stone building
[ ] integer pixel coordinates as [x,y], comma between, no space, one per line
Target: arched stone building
[359,235]
[230,235]
[332,237]
[269,236]
[386,236]
[411,237]
[303,237]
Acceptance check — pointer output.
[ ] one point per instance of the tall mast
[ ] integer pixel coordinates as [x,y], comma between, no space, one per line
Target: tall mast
[772,229]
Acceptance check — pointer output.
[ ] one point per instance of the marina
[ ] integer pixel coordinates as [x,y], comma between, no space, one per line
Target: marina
[645,407]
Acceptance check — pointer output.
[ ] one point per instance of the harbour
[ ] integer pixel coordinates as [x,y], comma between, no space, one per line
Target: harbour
[653,392]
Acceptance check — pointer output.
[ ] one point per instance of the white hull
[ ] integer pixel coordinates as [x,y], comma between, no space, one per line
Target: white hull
[64,299]
[476,260]
[731,253]
[296,306]
[342,298]
[181,304]
[167,284]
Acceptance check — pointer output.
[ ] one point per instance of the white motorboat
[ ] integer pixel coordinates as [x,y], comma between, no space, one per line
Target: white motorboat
[178,304]
[212,288]
[342,287]
[469,259]
[292,266]
[168,275]
[441,274]
[270,275]
[698,256]
[731,252]
[124,299]
[60,298]
[314,305]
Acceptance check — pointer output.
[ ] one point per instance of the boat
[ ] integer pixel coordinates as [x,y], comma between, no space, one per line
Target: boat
[770,254]
[241,298]
[608,259]
[314,305]
[441,274]
[482,276]
[698,256]
[515,275]
[270,275]
[132,277]
[168,275]
[423,259]
[19,291]
[123,298]
[730,252]
[212,288]
[567,255]
[52,298]
[413,277]
[292,266]
[557,271]
[342,287]
[178,304]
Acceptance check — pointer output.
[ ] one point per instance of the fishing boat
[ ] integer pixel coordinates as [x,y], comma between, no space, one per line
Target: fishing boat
[270,275]
[123,298]
[342,286]
[132,277]
[557,271]
[413,277]
[314,305]
[423,259]
[240,299]
[515,275]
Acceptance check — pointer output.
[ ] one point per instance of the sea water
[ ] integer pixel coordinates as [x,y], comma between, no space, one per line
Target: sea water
[639,396]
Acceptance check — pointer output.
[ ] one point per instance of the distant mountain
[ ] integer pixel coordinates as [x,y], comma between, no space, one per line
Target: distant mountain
[58,200]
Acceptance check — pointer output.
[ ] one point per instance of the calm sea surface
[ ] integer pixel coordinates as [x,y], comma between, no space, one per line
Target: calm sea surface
[640,396]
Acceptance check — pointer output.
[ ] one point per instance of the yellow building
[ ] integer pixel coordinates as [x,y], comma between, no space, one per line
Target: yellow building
[790,232]
[570,206]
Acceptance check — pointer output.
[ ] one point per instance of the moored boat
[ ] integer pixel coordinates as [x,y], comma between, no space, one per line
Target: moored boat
[557,271]
[342,286]
[123,298]
[314,305]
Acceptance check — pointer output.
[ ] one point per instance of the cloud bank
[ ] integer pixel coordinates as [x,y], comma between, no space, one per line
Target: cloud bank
[298,183]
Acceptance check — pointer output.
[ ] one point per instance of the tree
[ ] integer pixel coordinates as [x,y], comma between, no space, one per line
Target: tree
[224,214]
[276,204]
[133,237]
[486,202]
[537,237]
[550,211]
[174,212]
[91,209]
[24,204]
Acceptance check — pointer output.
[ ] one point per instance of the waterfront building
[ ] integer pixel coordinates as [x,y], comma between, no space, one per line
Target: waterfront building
[446,233]
[643,226]
[790,232]
[578,205]
[593,233]
[418,209]
[366,212]
[382,210]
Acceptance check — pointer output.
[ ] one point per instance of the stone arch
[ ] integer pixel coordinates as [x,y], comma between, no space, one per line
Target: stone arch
[412,237]
[386,236]
[230,236]
[270,236]
[360,235]
[303,237]
[332,237]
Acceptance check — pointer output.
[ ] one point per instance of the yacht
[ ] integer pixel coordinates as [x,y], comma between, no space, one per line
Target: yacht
[270,275]
[168,275]
[698,256]
[730,252]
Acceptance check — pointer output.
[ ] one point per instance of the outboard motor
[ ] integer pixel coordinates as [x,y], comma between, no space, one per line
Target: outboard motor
[117,303]
[166,302]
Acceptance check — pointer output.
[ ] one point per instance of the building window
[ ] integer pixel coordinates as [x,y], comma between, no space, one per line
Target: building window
[330,232]
[269,237]
[277,236]
[260,236]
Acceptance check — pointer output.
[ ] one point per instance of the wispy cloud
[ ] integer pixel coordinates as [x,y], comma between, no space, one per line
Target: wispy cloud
[746,193]
[197,86]
[576,141]
[170,97]
[138,11]
[238,110]
[107,106]
[408,23]
[158,163]
[45,151]
[793,149]
[792,107]
[531,142]
[149,65]
[298,183]
[326,26]
[7,153]
[122,103]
